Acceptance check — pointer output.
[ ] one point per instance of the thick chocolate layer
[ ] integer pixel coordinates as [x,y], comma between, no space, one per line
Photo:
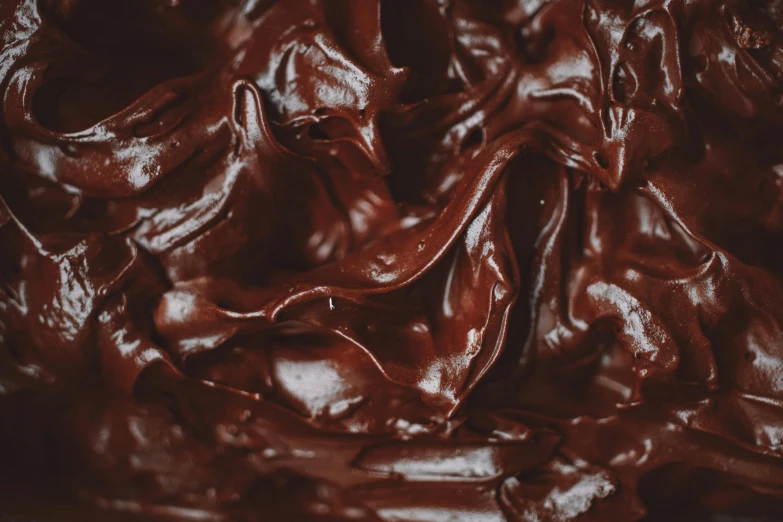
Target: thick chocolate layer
[392,260]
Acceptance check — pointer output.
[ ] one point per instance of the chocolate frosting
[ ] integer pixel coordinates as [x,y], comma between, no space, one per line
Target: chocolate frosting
[391,260]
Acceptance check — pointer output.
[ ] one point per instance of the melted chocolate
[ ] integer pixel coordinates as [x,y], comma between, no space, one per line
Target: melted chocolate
[391,260]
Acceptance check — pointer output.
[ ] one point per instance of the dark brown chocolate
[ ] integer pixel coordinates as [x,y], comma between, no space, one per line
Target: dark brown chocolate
[391,260]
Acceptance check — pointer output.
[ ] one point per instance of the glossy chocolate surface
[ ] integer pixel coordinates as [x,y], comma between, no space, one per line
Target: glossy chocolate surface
[392,260]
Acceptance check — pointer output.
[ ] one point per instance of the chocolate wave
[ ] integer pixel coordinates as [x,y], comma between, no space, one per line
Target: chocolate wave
[391,260]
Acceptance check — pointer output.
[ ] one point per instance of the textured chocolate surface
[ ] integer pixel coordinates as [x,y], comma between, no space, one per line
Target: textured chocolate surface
[391,260]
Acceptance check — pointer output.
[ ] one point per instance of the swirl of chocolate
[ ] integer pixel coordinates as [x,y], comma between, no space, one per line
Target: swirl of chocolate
[391,260]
